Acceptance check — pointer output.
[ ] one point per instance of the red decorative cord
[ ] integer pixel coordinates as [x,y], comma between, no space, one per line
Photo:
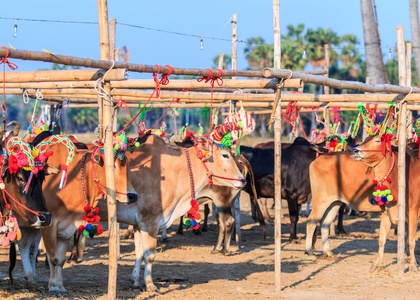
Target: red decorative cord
[12,67]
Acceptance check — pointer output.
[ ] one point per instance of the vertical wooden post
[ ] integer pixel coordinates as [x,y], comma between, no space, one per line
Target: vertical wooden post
[327,121]
[112,41]
[408,66]
[277,151]
[234,45]
[402,71]
[327,66]
[109,156]
[365,128]
[220,63]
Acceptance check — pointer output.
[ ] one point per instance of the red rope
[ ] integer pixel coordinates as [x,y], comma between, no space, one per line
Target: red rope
[126,110]
[218,79]
[293,114]
[372,111]
[12,67]
[336,115]
[163,81]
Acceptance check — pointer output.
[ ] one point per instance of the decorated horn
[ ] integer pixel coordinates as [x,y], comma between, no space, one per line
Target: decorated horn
[16,127]
[55,140]
[222,129]
[16,144]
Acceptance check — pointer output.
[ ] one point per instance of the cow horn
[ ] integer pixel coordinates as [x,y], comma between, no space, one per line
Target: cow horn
[16,127]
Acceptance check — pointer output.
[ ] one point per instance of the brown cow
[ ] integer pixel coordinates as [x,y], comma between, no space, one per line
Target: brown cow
[67,205]
[370,152]
[337,178]
[160,175]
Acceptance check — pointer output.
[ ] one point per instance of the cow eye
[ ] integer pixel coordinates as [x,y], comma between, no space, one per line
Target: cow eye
[225,155]
[20,179]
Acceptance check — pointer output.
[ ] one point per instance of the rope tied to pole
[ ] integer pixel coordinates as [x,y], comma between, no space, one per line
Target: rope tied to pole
[210,78]
[12,67]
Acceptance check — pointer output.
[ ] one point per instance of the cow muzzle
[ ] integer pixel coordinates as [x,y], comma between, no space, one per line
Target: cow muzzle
[357,154]
[132,198]
[43,220]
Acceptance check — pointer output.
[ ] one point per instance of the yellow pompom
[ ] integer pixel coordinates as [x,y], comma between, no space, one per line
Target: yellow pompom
[18,235]
[35,152]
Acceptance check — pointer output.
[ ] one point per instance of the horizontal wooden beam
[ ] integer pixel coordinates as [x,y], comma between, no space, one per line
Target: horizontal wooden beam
[339,84]
[65,75]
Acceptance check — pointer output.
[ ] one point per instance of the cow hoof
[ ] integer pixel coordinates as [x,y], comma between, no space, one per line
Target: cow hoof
[214,251]
[375,267]
[225,252]
[152,288]
[413,268]
[31,284]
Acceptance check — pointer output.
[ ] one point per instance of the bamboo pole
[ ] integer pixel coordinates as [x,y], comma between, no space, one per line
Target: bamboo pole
[229,96]
[234,55]
[65,75]
[408,66]
[402,71]
[220,62]
[277,152]
[113,23]
[339,84]
[261,84]
[327,66]
[109,157]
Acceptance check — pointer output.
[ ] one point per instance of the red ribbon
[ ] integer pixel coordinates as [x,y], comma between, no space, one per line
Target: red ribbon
[386,141]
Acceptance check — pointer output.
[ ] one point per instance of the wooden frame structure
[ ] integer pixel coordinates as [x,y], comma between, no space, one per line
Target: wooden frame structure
[56,86]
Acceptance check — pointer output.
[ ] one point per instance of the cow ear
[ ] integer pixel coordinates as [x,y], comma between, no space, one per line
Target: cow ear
[97,159]
[200,141]
[394,143]
[49,170]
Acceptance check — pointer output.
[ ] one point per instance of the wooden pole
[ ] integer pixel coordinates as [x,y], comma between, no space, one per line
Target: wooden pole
[402,71]
[109,156]
[220,63]
[234,55]
[327,66]
[365,128]
[65,75]
[277,152]
[113,24]
[408,66]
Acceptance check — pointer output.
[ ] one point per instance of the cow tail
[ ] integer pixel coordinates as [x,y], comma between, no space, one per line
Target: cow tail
[12,261]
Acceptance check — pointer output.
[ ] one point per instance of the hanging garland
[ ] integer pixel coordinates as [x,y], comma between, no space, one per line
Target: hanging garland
[382,194]
[335,143]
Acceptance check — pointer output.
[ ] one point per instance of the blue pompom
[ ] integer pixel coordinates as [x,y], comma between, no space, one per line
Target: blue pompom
[384,199]
[91,235]
[89,227]
[193,223]
[372,201]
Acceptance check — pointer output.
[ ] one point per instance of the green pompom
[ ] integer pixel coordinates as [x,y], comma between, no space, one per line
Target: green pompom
[187,222]
[390,198]
[137,144]
[375,193]
[85,232]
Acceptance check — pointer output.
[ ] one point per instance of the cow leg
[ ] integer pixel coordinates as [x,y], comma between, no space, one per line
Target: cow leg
[383,233]
[253,208]
[74,252]
[318,211]
[206,217]
[149,253]
[164,235]
[28,247]
[261,220]
[325,229]
[229,222]
[262,202]
[221,232]
[340,228]
[412,230]
[180,228]
[294,218]
[135,275]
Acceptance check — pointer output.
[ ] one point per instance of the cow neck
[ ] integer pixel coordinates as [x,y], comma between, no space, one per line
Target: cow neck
[210,174]
[389,170]
[5,192]
[95,178]
[82,178]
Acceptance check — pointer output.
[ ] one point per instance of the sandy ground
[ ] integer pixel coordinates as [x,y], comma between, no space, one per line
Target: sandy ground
[185,268]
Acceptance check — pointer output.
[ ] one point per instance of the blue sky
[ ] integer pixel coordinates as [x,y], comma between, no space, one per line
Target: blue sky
[203,18]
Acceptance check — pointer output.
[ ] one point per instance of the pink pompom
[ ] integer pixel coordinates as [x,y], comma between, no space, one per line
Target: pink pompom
[64,167]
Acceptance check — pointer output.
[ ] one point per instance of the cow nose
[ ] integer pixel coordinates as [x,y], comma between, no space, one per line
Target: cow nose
[132,197]
[355,151]
[45,218]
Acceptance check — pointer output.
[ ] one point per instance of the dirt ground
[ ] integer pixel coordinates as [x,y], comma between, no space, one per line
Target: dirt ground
[185,268]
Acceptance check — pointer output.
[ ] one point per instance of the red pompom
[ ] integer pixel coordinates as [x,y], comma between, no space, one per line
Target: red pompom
[84,217]
[375,181]
[99,230]
[193,202]
[35,171]
[90,215]
[48,153]
[96,210]
[197,216]
[64,167]
[388,179]
[86,208]
[196,226]
[81,228]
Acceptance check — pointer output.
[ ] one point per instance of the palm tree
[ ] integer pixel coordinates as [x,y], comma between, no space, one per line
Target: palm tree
[315,47]
[374,59]
[227,60]
[259,54]
[415,32]
[292,48]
